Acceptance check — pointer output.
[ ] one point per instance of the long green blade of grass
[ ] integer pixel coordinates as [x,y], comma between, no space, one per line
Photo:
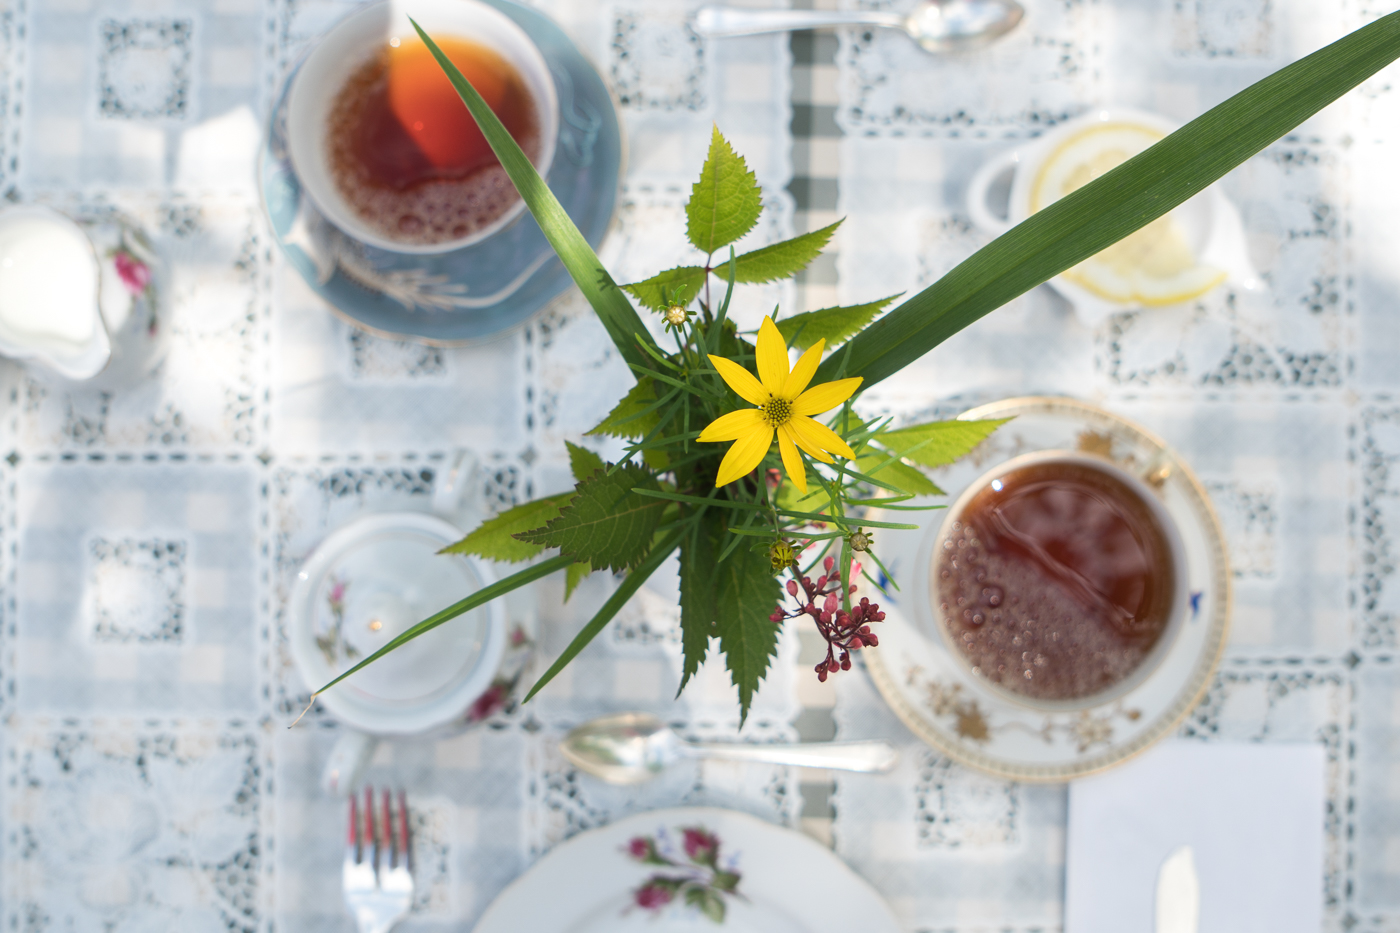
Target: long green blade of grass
[609,301]
[1120,202]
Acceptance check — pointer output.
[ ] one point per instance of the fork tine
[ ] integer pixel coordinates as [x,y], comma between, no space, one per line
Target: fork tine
[352,841]
[371,838]
[403,831]
[387,828]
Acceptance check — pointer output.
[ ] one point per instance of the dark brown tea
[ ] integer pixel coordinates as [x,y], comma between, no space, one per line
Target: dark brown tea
[1056,580]
[407,155]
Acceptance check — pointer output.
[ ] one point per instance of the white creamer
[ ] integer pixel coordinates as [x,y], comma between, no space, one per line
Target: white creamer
[49,280]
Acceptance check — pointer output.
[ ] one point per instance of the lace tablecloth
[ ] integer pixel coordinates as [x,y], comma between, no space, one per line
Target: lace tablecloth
[1285,407]
[148,536]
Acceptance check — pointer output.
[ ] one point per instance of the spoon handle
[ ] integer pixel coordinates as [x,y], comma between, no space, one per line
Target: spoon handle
[714,21]
[840,756]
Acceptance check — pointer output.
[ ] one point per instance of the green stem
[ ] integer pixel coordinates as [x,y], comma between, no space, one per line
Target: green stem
[624,592]
[479,598]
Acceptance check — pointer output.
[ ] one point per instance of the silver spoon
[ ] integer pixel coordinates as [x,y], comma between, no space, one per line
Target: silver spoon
[937,25]
[629,748]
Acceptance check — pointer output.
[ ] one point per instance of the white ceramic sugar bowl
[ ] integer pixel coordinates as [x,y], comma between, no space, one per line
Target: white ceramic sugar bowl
[367,582]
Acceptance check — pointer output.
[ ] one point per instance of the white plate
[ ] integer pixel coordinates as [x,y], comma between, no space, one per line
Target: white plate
[788,883]
[943,703]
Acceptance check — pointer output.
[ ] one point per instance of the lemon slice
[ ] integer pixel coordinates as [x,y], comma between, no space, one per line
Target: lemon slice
[1152,266]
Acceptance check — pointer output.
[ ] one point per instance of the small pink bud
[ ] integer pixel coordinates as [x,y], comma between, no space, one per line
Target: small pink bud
[792,587]
[832,601]
[855,643]
[829,563]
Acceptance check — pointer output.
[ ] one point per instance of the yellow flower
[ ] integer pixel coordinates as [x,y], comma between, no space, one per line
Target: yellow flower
[785,406]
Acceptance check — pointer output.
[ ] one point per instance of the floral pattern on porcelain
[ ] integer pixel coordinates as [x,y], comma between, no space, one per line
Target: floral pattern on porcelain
[693,875]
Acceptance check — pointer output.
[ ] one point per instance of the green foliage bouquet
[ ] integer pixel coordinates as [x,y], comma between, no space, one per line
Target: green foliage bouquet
[789,494]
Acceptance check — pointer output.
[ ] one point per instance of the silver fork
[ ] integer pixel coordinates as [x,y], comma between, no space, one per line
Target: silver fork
[376,877]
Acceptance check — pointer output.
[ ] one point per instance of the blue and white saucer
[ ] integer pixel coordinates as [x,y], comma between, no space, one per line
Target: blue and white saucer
[478,291]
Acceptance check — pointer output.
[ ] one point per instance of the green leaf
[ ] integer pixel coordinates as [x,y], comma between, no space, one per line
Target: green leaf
[677,286]
[939,442]
[746,594]
[834,325]
[630,418]
[897,473]
[583,462]
[725,881]
[606,523]
[625,591]
[574,575]
[613,309]
[712,906]
[724,204]
[480,598]
[697,584]
[1129,197]
[495,538]
[781,260]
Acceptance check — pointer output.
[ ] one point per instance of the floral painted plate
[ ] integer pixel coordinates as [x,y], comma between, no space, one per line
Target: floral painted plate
[478,291]
[689,869]
[938,697]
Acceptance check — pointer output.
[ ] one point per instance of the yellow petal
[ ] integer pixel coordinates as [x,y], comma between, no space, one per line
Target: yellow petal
[734,425]
[740,380]
[746,454]
[824,397]
[772,357]
[804,370]
[801,440]
[819,435]
[792,460]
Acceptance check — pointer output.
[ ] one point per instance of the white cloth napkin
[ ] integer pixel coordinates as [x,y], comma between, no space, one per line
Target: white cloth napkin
[1253,814]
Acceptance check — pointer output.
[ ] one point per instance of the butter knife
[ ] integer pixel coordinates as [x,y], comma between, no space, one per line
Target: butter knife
[1178,894]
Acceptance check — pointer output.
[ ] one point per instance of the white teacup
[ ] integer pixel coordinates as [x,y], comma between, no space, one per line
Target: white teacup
[349,44]
[1176,614]
[1211,224]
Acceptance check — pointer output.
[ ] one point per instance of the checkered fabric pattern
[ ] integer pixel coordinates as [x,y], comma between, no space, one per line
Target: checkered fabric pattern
[149,534]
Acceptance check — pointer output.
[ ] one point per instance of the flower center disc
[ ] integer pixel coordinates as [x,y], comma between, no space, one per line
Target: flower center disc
[777,411]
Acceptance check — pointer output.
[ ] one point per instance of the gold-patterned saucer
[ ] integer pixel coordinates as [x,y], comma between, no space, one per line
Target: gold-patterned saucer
[956,712]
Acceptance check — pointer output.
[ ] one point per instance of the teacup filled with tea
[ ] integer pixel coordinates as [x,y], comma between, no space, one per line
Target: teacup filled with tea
[384,146]
[1058,579]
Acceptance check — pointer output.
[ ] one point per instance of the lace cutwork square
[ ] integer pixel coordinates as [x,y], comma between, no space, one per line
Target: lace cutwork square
[144,68]
[136,590]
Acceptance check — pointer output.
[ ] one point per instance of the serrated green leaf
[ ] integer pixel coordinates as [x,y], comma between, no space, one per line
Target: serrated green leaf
[780,260]
[583,462]
[697,583]
[746,593]
[897,473]
[938,442]
[627,419]
[1129,197]
[606,523]
[724,204]
[677,286]
[495,538]
[574,575]
[834,325]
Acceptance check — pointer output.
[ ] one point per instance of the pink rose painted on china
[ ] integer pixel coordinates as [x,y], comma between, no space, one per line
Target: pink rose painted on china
[695,874]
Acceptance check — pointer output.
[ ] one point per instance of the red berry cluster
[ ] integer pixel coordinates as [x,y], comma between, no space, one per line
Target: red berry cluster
[844,631]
